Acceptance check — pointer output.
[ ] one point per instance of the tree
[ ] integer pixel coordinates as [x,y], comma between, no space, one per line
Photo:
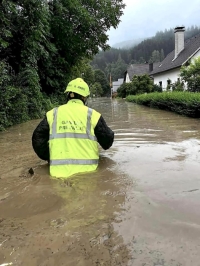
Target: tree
[44,43]
[178,85]
[79,29]
[100,77]
[122,90]
[96,89]
[138,85]
[6,11]
[141,60]
[191,75]
[88,75]
[141,84]
[130,88]
[155,56]
[53,36]
[116,69]
[162,55]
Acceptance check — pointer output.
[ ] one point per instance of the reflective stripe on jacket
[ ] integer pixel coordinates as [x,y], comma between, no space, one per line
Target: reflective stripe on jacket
[72,144]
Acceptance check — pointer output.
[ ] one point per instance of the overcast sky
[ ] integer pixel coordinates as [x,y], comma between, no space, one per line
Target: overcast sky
[143,18]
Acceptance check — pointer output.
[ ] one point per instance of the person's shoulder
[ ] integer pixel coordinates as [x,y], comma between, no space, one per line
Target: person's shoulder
[52,110]
[95,111]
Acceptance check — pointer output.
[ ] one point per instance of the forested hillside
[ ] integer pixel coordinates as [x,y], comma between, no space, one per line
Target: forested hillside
[153,49]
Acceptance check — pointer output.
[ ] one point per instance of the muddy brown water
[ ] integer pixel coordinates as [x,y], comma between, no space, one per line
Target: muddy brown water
[141,207]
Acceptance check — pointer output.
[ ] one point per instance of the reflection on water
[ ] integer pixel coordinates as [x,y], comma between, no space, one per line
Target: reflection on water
[154,153]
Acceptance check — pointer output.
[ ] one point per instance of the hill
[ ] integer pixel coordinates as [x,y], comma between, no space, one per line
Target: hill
[127,44]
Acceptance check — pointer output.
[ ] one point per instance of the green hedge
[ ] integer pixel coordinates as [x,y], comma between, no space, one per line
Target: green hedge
[184,103]
[16,107]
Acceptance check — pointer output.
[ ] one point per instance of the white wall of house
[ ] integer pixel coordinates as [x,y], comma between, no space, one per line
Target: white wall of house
[173,75]
[116,85]
[127,78]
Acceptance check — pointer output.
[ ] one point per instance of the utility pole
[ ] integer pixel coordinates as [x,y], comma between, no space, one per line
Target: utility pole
[110,86]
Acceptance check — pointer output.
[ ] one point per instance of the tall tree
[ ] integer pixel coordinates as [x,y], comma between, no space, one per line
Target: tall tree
[162,55]
[100,77]
[116,69]
[155,56]
[88,75]
[96,90]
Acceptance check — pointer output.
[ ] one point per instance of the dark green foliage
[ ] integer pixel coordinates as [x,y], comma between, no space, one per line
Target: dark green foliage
[156,88]
[13,109]
[124,90]
[116,69]
[191,75]
[184,103]
[18,103]
[138,85]
[100,77]
[141,84]
[43,45]
[88,75]
[6,12]
[96,90]
[177,86]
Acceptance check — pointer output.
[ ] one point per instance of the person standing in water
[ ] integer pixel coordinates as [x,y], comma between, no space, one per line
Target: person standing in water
[68,136]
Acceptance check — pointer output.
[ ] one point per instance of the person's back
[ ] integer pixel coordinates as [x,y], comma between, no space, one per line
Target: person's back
[72,143]
[74,133]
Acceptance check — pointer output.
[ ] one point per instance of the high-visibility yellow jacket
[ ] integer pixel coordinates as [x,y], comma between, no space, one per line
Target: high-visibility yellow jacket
[72,144]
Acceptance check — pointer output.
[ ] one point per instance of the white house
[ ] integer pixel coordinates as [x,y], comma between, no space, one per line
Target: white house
[116,85]
[184,53]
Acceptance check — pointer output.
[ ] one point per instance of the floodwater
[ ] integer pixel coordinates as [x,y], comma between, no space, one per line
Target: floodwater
[141,207]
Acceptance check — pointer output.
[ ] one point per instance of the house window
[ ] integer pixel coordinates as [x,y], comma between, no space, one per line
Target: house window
[168,82]
[160,83]
[178,79]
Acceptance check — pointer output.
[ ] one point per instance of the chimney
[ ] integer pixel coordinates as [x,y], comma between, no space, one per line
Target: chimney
[179,40]
[150,67]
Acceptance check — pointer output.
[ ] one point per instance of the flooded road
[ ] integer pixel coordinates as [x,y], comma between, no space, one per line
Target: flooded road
[141,207]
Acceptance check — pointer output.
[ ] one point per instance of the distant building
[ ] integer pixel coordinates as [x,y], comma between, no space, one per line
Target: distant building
[185,52]
[139,69]
[116,85]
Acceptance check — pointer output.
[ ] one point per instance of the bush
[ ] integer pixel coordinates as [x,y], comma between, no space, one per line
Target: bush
[122,90]
[141,84]
[178,86]
[156,88]
[19,104]
[191,75]
[184,103]
[13,108]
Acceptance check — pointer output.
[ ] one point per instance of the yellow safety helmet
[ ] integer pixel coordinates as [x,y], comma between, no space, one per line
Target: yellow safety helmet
[78,86]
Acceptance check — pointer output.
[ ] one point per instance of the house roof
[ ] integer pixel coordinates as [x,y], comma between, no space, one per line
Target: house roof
[119,82]
[191,47]
[139,69]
